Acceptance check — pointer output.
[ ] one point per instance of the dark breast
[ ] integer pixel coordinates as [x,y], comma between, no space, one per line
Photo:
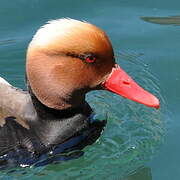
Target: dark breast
[32,134]
[20,146]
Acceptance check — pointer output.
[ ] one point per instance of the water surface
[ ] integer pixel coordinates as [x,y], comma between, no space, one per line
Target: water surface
[138,142]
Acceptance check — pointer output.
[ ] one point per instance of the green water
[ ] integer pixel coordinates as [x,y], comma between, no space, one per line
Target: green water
[138,143]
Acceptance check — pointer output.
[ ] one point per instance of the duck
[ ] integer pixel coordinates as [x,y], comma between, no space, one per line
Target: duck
[65,60]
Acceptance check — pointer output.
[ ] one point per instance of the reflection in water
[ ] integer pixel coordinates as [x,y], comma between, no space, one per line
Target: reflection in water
[7,41]
[171,20]
[143,174]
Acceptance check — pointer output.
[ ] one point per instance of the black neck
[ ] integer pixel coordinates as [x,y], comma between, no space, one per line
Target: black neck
[45,112]
[56,126]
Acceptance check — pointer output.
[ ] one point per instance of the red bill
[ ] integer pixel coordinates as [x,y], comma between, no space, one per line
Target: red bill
[121,83]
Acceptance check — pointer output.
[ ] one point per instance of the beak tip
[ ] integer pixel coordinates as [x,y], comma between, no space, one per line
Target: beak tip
[155,102]
[157,106]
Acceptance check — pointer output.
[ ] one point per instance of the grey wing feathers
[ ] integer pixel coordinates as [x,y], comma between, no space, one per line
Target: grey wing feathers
[15,102]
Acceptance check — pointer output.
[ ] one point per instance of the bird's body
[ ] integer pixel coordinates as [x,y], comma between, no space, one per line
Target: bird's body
[65,60]
[29,128]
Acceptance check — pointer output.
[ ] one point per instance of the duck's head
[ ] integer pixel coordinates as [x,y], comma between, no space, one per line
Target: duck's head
[68,58]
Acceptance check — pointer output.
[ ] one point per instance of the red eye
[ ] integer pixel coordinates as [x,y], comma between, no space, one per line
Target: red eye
[90,59]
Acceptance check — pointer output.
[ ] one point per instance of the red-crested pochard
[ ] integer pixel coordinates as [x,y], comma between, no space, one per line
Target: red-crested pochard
[65,60]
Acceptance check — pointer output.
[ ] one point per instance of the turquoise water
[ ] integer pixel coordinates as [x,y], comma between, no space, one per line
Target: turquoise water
[138,143]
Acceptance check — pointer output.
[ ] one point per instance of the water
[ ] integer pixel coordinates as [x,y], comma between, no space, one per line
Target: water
[138,143]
